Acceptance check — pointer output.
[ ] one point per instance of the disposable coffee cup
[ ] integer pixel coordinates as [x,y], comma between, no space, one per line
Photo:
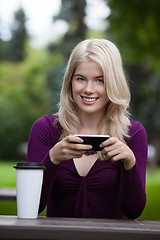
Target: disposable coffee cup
[29,178]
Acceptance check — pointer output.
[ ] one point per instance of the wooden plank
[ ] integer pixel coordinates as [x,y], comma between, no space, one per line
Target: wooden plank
[7,193]
[71,229]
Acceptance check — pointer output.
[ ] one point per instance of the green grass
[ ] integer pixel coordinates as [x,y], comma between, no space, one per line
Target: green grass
[151,211]
[7,174]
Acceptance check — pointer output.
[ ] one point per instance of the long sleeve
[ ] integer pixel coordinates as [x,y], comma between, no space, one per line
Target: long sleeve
[108,190]
[132,183]
[42,138]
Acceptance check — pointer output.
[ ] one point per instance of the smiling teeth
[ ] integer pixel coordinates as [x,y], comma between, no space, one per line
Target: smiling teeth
[89,99]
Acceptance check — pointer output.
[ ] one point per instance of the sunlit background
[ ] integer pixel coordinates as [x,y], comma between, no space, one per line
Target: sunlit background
[40,16]
[36,38]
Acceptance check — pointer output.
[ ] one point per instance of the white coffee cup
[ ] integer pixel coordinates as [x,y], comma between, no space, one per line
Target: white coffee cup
[29,178]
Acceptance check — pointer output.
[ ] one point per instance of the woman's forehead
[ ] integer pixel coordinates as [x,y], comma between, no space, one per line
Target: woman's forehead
[85,67]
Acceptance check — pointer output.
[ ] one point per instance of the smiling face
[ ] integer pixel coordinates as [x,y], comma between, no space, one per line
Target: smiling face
[88,88]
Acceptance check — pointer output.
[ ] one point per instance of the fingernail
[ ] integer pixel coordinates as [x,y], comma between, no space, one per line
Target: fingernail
[82,140]
[100,146]
[90,147]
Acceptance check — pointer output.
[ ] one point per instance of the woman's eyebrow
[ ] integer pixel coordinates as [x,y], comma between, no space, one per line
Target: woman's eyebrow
[82,76]
[100,76]
[79,75]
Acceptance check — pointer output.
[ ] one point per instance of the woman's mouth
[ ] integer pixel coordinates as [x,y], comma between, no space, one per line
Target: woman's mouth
[89,100]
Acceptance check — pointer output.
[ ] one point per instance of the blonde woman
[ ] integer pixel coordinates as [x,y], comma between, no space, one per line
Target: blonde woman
[94,100]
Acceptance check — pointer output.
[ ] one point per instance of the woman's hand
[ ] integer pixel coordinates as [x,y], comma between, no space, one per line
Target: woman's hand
[116,150]
[68,148]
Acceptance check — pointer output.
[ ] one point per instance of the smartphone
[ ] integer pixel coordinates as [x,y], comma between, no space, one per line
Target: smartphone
[93,140]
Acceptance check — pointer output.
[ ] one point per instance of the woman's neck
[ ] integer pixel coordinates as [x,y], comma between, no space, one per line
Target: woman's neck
[90,124]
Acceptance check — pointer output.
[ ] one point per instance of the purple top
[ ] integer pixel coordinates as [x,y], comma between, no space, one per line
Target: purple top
[107,191]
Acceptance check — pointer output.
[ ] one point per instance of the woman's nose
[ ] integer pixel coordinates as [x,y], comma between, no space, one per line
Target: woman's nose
[89,88]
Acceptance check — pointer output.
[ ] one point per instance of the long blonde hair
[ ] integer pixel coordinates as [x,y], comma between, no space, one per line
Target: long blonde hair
[105,53]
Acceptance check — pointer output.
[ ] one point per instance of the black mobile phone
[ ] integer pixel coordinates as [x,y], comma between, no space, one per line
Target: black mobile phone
[93,140]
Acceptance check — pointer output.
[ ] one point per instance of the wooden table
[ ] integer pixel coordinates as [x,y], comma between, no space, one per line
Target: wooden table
[77,229]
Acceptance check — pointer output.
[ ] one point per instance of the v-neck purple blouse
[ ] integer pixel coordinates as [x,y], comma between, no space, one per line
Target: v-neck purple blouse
[107,191]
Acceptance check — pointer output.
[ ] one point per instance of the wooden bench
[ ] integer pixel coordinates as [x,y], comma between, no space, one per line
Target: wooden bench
[7,193]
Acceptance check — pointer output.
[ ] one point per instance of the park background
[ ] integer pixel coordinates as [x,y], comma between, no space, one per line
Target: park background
[31,75]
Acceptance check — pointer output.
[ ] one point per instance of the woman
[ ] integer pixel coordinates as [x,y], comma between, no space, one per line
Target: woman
[94,99]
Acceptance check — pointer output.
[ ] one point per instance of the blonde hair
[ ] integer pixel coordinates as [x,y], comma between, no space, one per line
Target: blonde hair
[105,53]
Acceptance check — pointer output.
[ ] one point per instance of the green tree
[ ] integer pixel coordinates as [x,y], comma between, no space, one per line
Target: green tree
[19,36]
[14,49]
[4,46]
[23,99]
[134,27]
[73,13]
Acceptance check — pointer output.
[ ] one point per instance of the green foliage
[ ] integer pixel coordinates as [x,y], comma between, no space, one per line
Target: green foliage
[134,27]
[4,52]
[73,13]
[91,34]
[19,34]
[14,49]
[23,98]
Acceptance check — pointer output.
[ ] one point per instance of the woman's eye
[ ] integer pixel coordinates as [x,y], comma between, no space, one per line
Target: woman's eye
[80,79]
[100,80]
